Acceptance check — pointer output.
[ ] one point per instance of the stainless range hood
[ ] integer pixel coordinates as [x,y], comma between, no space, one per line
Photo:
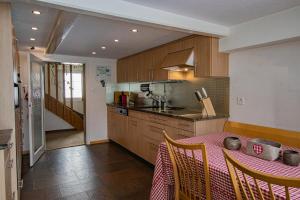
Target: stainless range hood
[179,61]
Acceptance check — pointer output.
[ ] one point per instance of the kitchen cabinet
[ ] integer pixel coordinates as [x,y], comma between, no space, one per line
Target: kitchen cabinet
[134,130]
[146,65]
[209,62]
[6,163]
[142,132]
[122,70]
[117,127]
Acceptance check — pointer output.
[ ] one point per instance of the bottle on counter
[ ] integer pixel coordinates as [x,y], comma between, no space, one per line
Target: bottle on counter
[124,99]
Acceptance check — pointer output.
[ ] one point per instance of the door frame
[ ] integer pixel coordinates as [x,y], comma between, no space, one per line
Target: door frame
[83,96]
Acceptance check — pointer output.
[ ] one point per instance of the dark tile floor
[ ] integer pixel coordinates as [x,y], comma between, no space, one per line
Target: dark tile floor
[104,171]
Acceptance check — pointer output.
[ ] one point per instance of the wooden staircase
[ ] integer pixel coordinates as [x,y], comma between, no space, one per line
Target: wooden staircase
[58,82]
[64,112]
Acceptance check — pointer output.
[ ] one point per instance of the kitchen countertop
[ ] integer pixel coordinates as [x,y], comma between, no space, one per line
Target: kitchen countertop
[185,114]
[5,138]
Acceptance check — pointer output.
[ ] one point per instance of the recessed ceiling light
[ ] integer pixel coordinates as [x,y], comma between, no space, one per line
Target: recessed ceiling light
[116,40]
[34,28]
[103,47]
[32,39]
[36,12]
[134,30]
[94,53]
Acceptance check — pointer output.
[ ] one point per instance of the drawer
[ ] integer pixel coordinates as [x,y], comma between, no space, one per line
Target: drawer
[159,119]
[110,109]
[185,134]
[154,131]
[177,134]
[185,125]
[151,150]
[135,114]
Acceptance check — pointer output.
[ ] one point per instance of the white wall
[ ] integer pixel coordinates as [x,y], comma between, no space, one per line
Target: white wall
[96,117]
[269,79]
[24,75]
[53,122]
[271,29]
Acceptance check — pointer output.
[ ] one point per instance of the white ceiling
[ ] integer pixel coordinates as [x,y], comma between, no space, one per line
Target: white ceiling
[90,33]
[24,20]
[223,12]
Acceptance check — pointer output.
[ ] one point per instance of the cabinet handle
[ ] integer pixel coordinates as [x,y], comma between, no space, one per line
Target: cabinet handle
[184,125]
[152,75]
[153,146]
[134,123]
[13,196]
[10,145]
[182,135]
[10,163]
[156,129]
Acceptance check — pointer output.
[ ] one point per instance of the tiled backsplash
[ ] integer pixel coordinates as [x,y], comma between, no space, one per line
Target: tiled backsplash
[181,93]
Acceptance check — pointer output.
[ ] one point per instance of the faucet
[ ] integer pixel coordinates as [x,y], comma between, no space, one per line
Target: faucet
[159,101]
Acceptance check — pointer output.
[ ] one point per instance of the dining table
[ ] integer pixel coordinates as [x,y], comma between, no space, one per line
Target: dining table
[221,187]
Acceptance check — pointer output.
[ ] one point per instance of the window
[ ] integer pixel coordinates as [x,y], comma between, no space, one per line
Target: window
[76,83]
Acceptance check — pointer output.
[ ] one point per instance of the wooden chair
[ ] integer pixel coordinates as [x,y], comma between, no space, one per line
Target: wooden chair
[188,185]
[241,175]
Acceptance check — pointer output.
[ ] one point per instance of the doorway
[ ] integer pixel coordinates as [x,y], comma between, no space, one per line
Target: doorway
[64,105]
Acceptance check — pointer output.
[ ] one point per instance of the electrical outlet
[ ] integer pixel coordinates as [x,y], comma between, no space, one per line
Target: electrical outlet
[240,100]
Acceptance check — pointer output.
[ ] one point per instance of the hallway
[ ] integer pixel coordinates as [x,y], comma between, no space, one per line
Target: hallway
[64,138]
[104,171]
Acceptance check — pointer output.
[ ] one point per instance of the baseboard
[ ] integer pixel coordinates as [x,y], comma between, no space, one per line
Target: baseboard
[99,141]
[286,137]
[61,130]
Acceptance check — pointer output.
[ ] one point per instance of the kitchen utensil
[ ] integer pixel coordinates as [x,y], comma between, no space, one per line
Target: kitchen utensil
[198,95]
[204,92]
[263,149]
[145,87]
[291,157]
[232,143]
[208,109]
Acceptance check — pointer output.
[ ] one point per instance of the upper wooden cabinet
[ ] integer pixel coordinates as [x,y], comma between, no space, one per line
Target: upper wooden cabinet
[146,65]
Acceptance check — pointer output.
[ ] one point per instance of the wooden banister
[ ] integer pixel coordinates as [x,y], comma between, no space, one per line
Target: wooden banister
[64,112]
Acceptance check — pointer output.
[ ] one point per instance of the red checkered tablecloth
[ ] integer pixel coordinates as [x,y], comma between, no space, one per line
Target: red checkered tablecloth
[163,180]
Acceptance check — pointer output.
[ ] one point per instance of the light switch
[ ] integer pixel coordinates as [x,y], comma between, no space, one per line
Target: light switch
[241,101]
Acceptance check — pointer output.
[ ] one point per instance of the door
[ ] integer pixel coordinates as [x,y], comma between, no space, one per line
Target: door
[36,110]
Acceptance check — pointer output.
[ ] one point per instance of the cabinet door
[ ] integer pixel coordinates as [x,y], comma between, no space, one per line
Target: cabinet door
[120,126]
[146,66]
[160,75]
[151,138]
[175,133]
[134,128]
[122,68]
[151,149]
[202,52]
[109,124]
[112,121]
[8,169]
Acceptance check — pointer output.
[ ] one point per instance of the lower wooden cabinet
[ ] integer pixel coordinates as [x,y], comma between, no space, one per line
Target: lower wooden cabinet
[135,129]
[117,128]
[142,133]
[6,164]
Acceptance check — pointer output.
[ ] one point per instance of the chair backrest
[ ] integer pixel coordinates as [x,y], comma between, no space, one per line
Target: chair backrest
[247,183]
[187,173]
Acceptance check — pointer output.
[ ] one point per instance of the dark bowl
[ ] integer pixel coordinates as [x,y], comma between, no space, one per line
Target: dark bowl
[291,157]
[232,143]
